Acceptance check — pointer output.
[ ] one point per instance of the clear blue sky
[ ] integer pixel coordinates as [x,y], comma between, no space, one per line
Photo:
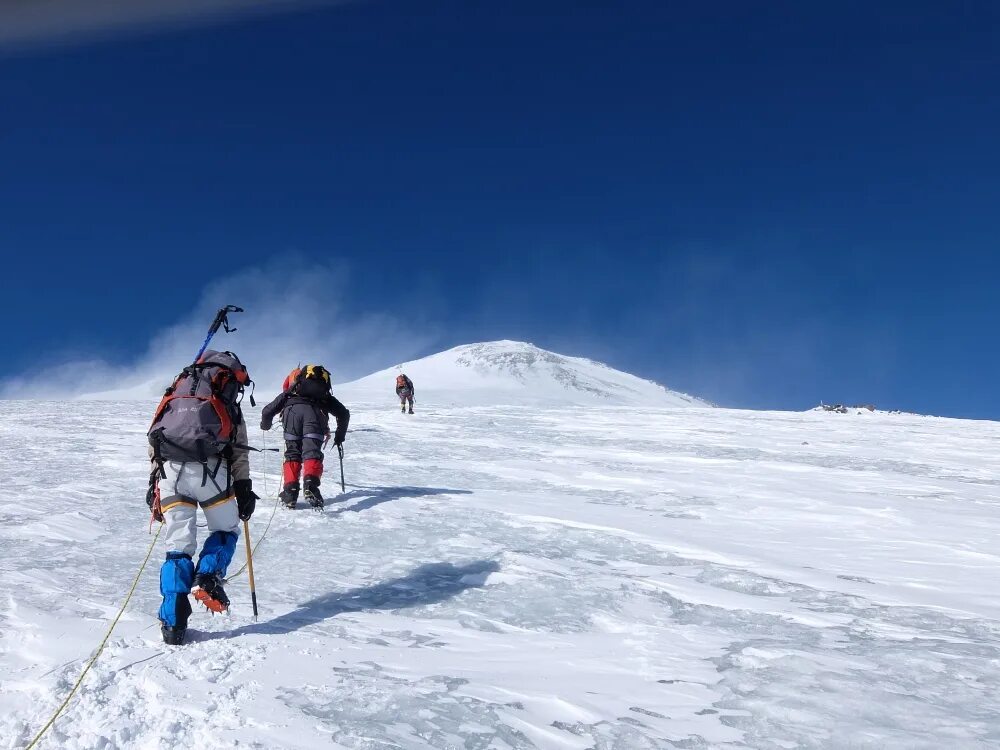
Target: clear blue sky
[766,206]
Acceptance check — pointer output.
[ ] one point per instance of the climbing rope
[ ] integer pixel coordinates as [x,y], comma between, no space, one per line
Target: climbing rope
[128,598]
[263,459]
[100,648]
[261,538]
[257,544]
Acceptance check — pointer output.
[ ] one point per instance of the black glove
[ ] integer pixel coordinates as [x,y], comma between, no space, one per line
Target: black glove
[338,441]
[151,499]
[246,498]
[265,425]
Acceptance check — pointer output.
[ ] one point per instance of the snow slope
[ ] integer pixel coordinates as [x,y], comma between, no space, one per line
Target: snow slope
[495,372]
[502,577]
[514,372]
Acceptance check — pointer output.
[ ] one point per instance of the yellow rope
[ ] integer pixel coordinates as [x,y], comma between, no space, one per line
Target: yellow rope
[100,648]
[263,437]
[128,598]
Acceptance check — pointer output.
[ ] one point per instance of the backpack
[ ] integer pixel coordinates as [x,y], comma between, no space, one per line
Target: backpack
[311,381]
[293,376]
[199,413]
[318,372]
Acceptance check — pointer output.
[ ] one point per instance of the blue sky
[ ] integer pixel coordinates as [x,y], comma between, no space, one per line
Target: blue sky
[765,206]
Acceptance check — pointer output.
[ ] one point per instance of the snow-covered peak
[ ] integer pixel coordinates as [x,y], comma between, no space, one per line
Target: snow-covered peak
[514,372]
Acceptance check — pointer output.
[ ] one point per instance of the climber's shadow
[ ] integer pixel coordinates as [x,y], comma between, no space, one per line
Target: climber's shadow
[428,584]
[369,497]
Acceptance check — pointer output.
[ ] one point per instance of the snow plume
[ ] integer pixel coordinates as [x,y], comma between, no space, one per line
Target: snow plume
[295,312]
[48,21]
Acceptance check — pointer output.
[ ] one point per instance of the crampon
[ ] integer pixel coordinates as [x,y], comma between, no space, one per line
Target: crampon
[211,594]
[214,605]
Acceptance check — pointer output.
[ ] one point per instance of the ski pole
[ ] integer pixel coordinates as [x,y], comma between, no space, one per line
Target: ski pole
[340,452]
[253,586]
[221,320]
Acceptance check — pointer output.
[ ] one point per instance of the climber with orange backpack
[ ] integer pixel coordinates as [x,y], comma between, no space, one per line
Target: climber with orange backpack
[198,451]
[404,389]
[305,404]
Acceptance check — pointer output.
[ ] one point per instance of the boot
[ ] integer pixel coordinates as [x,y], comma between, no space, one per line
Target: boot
[311,485]
[290,494]
[210,592]
[173,635]
[402,407]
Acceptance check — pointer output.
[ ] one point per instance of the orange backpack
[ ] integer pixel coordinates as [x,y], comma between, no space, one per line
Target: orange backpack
[292,376]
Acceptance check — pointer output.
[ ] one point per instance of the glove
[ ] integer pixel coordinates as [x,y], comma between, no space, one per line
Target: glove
[265,425]
[246,498]
[153,497]
[338,441]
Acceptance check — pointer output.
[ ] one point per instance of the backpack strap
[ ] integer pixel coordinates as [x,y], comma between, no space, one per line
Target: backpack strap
[206,474]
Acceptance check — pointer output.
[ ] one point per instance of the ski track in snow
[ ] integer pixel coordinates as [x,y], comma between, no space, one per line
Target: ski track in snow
[503,578]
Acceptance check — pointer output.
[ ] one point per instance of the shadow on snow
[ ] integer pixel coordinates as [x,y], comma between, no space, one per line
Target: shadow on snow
[428,584]
[373,496]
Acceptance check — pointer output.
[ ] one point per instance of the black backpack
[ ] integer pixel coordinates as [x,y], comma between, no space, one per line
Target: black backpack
[198,415]
[312,382]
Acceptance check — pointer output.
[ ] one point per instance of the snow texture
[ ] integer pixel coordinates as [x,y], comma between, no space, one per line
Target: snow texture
[503,577]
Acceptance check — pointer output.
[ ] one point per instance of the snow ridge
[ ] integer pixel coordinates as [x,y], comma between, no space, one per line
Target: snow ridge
[517,373]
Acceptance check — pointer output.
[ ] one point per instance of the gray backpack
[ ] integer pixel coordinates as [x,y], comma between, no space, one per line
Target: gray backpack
[199,413]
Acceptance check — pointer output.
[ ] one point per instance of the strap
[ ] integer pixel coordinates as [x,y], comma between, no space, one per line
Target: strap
[218,465]
[255,450]
[195,377]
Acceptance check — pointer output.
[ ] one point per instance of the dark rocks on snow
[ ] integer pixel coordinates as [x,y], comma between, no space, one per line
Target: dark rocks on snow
[842,409]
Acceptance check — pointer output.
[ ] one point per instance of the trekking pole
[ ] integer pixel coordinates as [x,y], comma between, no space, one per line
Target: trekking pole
[253,586]
[340,452]
[221,320]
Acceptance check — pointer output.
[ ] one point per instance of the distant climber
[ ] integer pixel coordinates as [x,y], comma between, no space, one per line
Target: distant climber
[306,404]
[404,389]
[198,450]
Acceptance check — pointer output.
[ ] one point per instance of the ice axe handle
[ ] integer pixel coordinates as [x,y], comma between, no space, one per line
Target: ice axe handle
[253,584]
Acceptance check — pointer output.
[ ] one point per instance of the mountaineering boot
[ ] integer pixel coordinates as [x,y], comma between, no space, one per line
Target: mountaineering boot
[290,494]
[402,407]
[173,635]
[312,492]
[210,592]
[411,410]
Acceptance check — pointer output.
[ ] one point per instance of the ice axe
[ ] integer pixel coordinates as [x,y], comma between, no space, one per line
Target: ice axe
[221,321]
